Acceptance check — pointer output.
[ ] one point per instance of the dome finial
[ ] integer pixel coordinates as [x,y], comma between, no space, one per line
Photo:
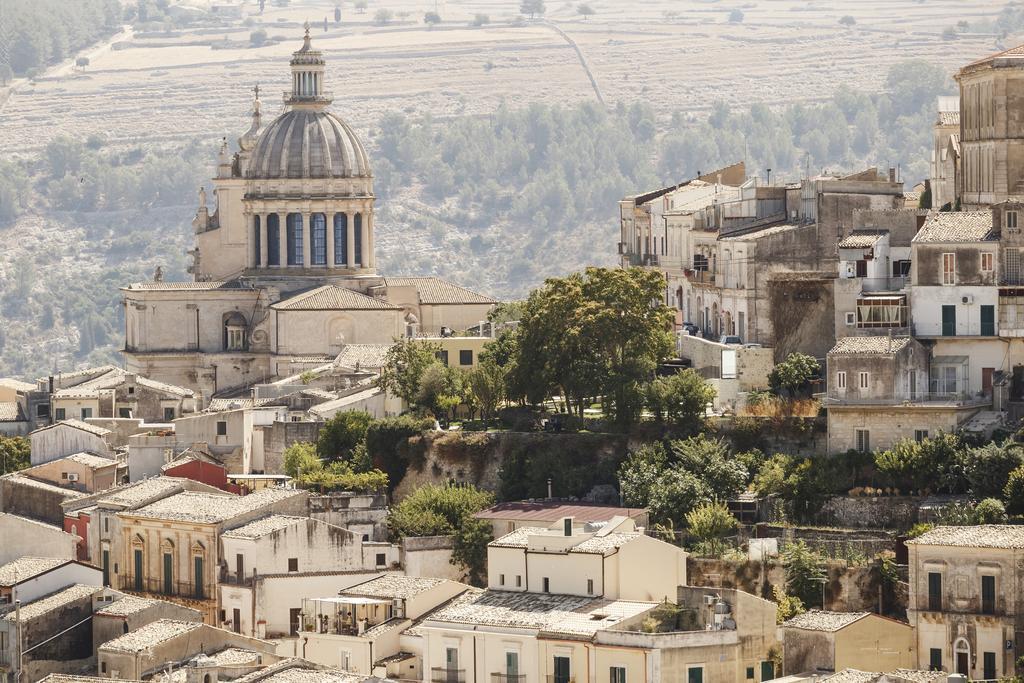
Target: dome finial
[306,39]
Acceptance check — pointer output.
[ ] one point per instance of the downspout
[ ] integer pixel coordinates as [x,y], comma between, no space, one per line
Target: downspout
[474,655]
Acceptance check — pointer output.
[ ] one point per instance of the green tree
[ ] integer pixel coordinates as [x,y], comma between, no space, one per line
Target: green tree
[63,156]
[709,458]
[711,523]
[988,467]
[487,383]
[258,37]
[680,399]
[337,14]
[300,458]
[788,606]
[585,11]
[792,377]
[990,511]
[639,473]
[804,572]
[431,19]
[404,365]
[771,476]
[674,493]
[360,6]
[15,453]
[481,19]
[1013,492]
[848,20]
[383,17]
[441,390]
[340,435]
[447,510]
[532,7]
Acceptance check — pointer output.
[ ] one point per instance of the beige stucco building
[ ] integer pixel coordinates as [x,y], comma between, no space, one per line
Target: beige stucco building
[965,600]
[819,640]
[284,264]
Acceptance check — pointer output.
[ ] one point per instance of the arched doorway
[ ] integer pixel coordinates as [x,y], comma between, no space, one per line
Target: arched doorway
[962,656]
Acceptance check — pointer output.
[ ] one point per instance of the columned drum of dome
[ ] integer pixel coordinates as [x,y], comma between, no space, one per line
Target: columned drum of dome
[297,200]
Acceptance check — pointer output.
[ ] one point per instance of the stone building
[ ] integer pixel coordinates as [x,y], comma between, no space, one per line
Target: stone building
[39,500]
[84,472]
[818,641]
[129,613]
[68,437]
[965,601]
[172,548]
[30,578]
[945,162]
[23,536]
[115,393]
[284,264]
[991,134]
[879,392]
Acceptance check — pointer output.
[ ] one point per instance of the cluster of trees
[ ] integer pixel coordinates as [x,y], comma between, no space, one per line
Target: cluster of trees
[15,452]
[448,510]
[45,32]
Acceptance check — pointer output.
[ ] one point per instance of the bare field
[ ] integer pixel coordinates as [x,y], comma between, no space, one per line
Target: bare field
[674,54]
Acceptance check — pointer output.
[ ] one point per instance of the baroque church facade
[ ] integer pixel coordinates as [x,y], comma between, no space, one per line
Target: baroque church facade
[284,272]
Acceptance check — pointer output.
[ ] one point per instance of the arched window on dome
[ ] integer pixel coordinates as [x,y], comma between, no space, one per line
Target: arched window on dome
[358,228]
[340,239]
[273,240]
[256,240]
[295,239]
[318,239]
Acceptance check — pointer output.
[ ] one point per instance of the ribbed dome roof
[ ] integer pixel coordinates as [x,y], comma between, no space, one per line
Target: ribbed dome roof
[308,143]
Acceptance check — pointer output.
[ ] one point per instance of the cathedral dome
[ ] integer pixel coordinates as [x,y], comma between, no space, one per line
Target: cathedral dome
[308,143]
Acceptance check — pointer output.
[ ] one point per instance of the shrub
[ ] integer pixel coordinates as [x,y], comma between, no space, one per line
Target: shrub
[341,434]
[990,511]
[1013,492]
[387,443]
[711,523]
[792,377]
[804,573]
[988,468]
[680,400]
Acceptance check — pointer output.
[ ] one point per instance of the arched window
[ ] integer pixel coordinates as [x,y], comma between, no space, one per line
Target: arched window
[234,332]
[295,239]
[358,227]
[273,240]
[256,240]
[318,239]
[340,239]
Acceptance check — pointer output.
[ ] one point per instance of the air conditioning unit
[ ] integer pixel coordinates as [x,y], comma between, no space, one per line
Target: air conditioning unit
[967,299]
[72,476]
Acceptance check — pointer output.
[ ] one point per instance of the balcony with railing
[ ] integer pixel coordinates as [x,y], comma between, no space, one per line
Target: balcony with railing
[706,277]
[553,678]
[508,678]
[440,674]
[163,588]
[883,284]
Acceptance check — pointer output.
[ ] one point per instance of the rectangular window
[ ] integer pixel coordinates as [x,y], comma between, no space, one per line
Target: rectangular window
[935,659]
[451,659]
[862,380]
[562,670]
[920,435]
[547,585]
[590,586]
[767,670]
[222,428]
[935,591]
[840,380]
[989,659]
[988,597]
[501,579]
[198,577]
[949,269]
[340,239]
[124,413]
[318,241]
[1011,219]
[988,320]
[949,320]
[617,674]
[851,318]
[168,574]
[512,664]
[519,581]
[442,356]
[695,674]
[750,673]
[293,564]
[466,357]
[86,413]
[862,440]
[986,261]
[138,569]
[168,414]
[59,414]
[381,560]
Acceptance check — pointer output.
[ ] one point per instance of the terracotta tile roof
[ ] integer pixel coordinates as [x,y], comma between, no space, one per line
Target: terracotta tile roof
[175,286]
[956,226]
[54,601]
[150,635]
[433,290]
[860,239]
[141,493]
[874,345]
[10,411]
[552,511]
[211,508]
[982,536]
[363,356]
[25,568]
[264,526]
[822,620]
[1017,51]
[332,298]
[393,586]
[566,615]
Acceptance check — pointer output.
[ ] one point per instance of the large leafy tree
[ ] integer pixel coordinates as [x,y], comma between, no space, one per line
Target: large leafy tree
[596,333]
[15,452]
[341,434]
[680,400]
[404,365]
[793,376]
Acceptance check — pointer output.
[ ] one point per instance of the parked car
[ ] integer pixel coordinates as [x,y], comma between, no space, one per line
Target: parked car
[730,339]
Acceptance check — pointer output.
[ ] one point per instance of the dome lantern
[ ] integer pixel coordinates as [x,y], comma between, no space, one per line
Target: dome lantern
[307,77]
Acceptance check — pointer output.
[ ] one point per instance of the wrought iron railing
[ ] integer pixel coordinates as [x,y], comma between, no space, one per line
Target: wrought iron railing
[444,675]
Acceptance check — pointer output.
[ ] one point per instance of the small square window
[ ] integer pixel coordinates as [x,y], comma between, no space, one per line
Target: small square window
[466,357]
[131,390]
[366,538]
[168,414]
[60,414]
[750,673]
[851,318]
[124,413]
[86,413]
[920,435]
[222,428]
[293,564]
[381,560]
[43,410]
[442,356]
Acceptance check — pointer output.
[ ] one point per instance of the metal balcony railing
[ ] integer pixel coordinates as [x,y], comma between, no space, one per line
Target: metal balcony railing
[158,586]
[551,678]
[443,675]
[508,678]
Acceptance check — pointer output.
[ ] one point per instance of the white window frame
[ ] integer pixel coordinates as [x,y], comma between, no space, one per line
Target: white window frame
[863,379]
[1010,219]
[851,318]
[841,380]
[703,672]
[862,444]
[990,257]
[920,435]
[948,276]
